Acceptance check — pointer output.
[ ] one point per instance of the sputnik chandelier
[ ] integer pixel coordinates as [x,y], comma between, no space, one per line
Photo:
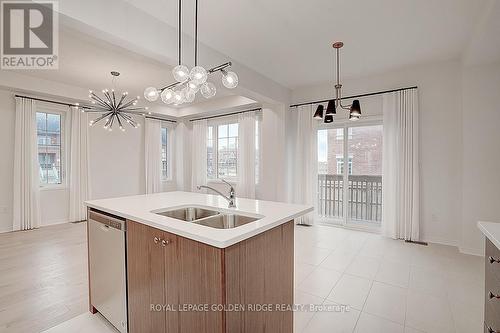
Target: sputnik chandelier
[114,108]
[331,109]
[189,82]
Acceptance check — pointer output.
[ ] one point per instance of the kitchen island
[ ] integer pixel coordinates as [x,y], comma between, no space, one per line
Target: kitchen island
[194,265]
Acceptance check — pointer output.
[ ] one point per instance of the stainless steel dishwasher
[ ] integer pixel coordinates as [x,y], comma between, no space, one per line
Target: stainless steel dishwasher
[107,266]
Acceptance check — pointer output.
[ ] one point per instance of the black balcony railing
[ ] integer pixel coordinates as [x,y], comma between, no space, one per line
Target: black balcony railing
[364,197]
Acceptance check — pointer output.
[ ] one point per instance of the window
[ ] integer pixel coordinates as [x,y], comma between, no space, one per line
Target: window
[340,165]
[50,148]
[165,154]
[222,151]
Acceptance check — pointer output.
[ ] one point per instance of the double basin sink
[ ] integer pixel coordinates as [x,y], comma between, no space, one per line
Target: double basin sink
[208,217]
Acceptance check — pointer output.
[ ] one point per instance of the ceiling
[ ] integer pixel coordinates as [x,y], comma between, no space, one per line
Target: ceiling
[289,41]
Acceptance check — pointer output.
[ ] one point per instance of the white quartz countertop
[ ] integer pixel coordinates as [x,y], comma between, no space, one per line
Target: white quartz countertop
[491,230]
[140,209]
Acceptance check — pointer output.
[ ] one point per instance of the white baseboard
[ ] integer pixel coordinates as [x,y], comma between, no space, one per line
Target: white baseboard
[5,231]
[53,222]
[442,241]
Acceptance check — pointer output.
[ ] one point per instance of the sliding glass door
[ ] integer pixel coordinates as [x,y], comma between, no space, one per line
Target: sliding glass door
[350,155]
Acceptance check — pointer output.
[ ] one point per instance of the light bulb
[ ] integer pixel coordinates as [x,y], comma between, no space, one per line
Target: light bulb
[193,86]
[208,90]
[198,75]
[229,79]
[167,96]
[178,97]
[151,94]
[180,73]
[189,95]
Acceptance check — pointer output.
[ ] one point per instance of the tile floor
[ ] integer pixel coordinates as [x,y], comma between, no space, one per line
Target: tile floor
[390,286]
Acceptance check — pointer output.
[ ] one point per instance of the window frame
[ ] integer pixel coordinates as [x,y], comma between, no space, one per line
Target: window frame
[46,108]
[346,124]
[169,151]
[215,123]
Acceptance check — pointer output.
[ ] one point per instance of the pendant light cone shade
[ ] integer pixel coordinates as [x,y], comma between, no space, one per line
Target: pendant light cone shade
[353,117]
[319,112]
[328,118]
[355,108]
[330,108]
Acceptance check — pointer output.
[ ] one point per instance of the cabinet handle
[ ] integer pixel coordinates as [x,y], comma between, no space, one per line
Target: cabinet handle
[156,240]
[494,260]
[491,295]
[490,330]
[165,242]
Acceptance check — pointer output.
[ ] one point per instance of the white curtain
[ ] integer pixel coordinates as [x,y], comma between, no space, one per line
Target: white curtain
[305,169]
[246,154]
[152,132]
[78,175]
[199,154]
[400,167]
[26,189]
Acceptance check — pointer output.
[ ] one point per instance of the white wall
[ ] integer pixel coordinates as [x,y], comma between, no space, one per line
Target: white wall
[273,181]
[481,152]
[440,138]
[116,162]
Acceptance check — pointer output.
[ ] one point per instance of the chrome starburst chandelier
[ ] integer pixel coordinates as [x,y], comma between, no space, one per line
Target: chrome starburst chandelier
[114,108]
[189,82]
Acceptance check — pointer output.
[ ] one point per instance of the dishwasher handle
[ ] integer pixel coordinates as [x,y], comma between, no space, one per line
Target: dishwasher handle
[107,220]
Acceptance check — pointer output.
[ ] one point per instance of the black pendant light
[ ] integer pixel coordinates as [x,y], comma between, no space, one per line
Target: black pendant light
[355,108]
[319,112]
[328,118]
[330,112]
[330,109]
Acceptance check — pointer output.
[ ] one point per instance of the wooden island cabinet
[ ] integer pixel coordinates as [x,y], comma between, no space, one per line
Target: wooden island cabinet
[167,275]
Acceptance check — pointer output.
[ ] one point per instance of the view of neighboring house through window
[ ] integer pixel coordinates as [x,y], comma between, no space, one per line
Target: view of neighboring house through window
[222,151]
[165,169]
[49,147]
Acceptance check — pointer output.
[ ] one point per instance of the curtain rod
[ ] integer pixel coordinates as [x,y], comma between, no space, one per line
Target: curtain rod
[159,118]
[82,107]
[51,101]
[356,96]
[226,114]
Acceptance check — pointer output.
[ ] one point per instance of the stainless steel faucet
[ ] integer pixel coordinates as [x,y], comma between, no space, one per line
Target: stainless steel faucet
[230,198]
